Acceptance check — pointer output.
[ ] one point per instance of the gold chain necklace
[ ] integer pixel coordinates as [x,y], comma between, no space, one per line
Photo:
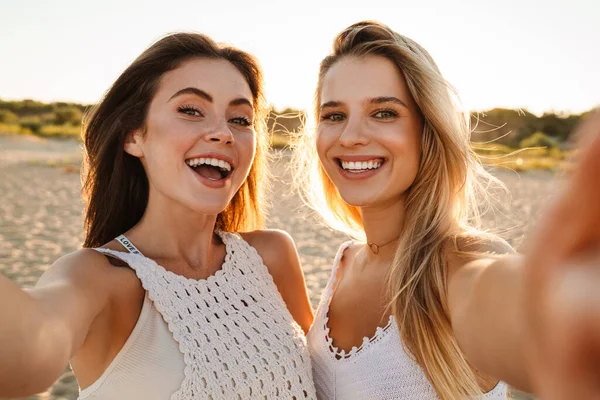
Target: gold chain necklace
[375,248]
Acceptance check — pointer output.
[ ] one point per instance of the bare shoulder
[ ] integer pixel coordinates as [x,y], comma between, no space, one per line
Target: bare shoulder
[81,266]
[483,243]
[83,287]
[87,270]
[350,249]
[468,248]
[279,254]
[276,248]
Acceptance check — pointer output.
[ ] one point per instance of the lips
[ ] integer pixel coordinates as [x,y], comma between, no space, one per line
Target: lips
[212,170]
[359,167]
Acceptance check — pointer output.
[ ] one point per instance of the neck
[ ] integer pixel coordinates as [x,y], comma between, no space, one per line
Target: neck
[383,226]
[169,231]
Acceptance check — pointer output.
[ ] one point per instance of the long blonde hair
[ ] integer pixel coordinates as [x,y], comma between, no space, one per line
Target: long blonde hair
[443,203]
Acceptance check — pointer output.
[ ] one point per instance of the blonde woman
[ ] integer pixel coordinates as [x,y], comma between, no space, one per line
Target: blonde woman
[420,306]
[177,293]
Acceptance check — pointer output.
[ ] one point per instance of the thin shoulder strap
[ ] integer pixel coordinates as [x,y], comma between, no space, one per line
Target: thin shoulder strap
[328,291]
[128,245]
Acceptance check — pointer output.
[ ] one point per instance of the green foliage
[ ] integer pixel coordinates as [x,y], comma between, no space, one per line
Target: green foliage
[67,115]
[492,149]
[510,127]
[502,129]
[44,119]
[14,129]
[28,107]
[540,139]
[33,123]
[48,118]
[8,117]
[556,153]
[25,107]
[65,130]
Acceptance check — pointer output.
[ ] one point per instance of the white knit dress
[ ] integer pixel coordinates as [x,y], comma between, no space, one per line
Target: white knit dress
[379,369]
[230,336]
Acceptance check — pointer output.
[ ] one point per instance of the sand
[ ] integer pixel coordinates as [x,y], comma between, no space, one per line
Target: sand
[41,217]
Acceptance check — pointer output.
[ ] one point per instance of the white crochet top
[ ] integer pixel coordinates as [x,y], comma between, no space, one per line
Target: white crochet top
[379,369]
[230,336]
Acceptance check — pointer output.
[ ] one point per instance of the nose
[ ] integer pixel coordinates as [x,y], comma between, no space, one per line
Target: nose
[220,133]
[354,133]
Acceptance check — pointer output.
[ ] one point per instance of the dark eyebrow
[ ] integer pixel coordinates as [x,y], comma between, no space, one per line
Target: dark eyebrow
[201,93]
[193,90]
[240,102]
[374,100]
[387,99]
[330,104]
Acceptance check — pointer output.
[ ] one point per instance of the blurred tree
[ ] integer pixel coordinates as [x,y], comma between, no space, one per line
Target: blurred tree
[8,117]
[511,127]
[33,123]
[539,139]
[501,126]
[67,115]
[558,126]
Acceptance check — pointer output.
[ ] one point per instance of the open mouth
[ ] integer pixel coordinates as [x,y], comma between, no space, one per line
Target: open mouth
[210,168]
[360,166]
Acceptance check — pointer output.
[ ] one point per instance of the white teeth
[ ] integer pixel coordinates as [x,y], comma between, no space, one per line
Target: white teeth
[194,162]
[360,166]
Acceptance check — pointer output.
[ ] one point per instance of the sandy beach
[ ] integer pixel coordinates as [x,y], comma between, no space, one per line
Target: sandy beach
[41,216]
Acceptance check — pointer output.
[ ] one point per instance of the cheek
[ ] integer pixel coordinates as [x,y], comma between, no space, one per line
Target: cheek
[404,142]
[409,147]
[413,148]
[172,134]
[247,150]
[163,153]
[323,141]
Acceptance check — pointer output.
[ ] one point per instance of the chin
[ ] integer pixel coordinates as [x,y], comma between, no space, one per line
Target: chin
[358,199]
[207,207]
[361,198]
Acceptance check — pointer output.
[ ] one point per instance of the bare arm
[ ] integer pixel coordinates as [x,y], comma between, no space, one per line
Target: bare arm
[43,327]
[486,305]
[534,320]
[279,254]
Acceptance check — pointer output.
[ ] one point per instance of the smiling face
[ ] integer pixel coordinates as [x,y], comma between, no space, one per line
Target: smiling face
[369,131]
[199,141]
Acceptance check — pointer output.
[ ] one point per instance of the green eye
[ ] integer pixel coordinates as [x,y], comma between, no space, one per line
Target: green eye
[385,114]
[243,121]
[190,110]
[333,117]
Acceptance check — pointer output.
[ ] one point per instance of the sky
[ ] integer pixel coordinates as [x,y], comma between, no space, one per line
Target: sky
[533,54]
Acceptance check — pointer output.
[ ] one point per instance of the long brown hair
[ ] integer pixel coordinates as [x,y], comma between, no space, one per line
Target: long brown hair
[115,186]
[442,203]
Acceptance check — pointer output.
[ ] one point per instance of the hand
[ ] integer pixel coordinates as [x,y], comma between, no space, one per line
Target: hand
[562,283]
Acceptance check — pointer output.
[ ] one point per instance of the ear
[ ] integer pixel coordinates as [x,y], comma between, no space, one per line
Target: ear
[133,143]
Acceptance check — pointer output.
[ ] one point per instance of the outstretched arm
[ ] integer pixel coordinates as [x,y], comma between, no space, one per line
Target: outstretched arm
[534,321]
[41,328]
[486,303]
